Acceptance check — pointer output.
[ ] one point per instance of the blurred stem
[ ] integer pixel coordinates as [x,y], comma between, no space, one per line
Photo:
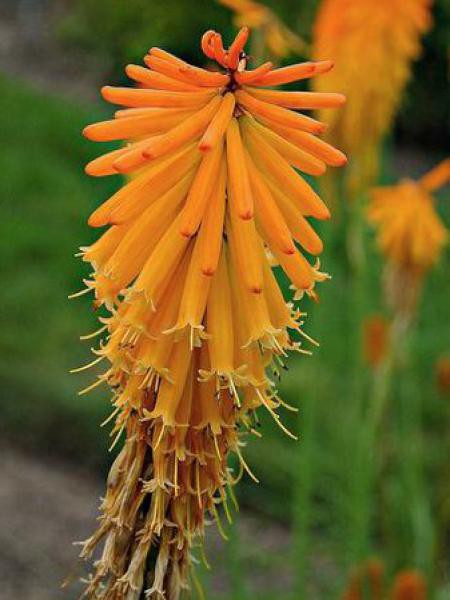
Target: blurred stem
[360,475]
[234,561]
[355,235]
[302,509]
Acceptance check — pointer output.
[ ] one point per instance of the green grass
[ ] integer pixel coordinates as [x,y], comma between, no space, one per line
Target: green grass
[346,500]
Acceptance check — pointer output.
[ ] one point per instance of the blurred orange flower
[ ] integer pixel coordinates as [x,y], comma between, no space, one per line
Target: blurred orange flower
[409,231]
[196,316]
[375,339]
[366,582]
[373,44]
[409,585]
[442,369]
[276,36]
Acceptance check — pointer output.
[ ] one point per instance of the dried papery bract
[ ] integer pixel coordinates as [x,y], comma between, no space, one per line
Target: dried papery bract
[196,320]
[373,45]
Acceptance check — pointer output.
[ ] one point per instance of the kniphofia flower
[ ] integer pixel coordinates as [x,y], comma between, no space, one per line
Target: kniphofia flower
[197,323]
[410,234]
[374,45]
[409,231]
[275,36]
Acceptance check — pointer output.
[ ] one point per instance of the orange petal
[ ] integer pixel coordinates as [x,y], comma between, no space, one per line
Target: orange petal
[278,114]
[219,319]
[207,48]
[299,100]
[104,165]
[297,268]
[298,158]
[237,47]
[189,129]
[200,191]
[245,247]
[237,172]
[211,230]
[299,227]
[126,128]
[185,74]
[218,126]
[158,81]
[219,53]
[268,215]
[248,77]
[275,167]
[305,141]
[294,73]
[138,98]
[132,194]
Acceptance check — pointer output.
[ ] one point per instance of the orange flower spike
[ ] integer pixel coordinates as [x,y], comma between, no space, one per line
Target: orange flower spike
[237,172]
[218,125]
[237,47]
[409,230]
[195,321]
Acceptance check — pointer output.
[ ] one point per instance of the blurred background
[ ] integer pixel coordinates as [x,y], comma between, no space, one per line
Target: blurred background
[361,504]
